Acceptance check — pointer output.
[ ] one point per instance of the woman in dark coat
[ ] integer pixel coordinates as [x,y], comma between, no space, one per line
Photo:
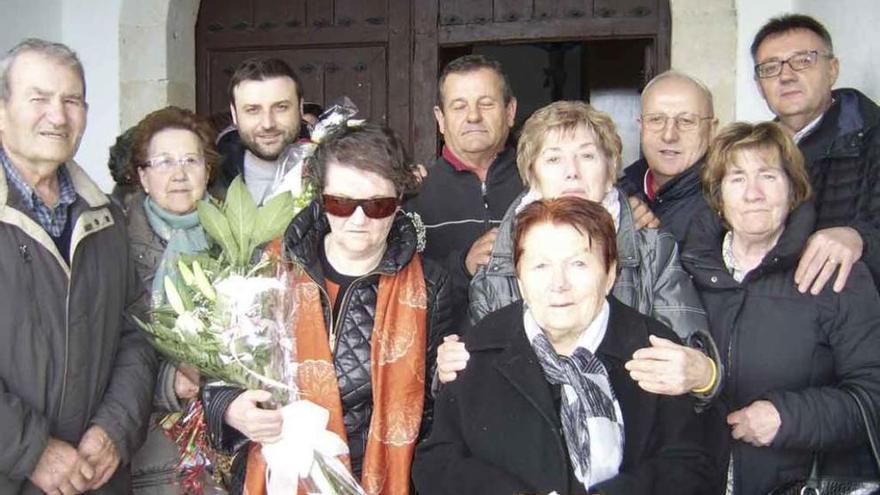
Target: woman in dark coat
[370,315]
[788,356]
[172,161]
[545,403]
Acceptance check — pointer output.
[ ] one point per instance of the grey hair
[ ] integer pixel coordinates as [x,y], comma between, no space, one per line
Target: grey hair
[56,51]
[674,74]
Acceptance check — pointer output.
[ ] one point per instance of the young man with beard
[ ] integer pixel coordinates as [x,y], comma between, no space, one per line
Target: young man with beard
[265,99]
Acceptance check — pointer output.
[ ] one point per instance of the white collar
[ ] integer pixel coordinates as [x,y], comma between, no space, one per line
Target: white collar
[589,338]
[809,127]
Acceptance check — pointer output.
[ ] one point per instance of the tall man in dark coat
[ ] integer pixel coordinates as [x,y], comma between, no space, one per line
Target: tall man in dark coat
[76,375]
[839,133]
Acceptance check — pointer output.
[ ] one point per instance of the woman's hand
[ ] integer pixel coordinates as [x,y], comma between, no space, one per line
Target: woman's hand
[186,382]
[668,368]
[451,358]
[260,425]
[756,423]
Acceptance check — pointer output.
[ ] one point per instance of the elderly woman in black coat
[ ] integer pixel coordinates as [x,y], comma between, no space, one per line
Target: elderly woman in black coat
[545,403]
[788,356]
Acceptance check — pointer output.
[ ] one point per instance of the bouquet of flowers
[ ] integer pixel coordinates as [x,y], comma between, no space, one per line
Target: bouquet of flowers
[229,313]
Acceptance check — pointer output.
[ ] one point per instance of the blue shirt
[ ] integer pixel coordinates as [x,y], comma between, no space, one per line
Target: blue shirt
[53,220]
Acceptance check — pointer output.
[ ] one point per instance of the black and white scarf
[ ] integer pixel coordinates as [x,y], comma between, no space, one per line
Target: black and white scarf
[592,422]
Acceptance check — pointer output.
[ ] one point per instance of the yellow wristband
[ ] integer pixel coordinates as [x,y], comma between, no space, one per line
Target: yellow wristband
[703,390]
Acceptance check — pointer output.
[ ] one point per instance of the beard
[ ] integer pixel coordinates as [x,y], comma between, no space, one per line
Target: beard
[272,151]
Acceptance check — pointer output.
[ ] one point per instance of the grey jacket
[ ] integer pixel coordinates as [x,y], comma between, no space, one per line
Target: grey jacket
[650,278]
[69,357]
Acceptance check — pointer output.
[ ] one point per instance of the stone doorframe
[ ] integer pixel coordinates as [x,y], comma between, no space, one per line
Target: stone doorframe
[157,53]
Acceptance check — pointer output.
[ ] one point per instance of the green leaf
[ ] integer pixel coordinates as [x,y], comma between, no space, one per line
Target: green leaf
[273,218]
[241,213]
[216,225]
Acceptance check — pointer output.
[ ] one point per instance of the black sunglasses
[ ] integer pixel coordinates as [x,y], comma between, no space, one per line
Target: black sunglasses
[373,208]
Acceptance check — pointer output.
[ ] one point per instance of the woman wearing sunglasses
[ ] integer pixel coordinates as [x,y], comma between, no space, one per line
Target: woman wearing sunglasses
[371,312]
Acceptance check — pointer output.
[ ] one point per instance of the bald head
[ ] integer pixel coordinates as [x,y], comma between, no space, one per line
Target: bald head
[679,82]
[669,143]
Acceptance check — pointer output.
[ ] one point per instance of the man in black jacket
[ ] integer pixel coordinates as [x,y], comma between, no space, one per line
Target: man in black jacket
[838,132]
[265,99]
[676,125]
[470,186]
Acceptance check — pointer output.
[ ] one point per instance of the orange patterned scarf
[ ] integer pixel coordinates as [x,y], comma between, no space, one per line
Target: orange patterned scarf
[399,343]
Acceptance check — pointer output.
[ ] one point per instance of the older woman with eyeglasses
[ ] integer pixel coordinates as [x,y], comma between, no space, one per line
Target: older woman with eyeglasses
[569,148]
[371,313]
[789,357]
[173,159]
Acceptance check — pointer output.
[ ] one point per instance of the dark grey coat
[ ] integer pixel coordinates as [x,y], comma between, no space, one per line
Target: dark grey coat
[69,356]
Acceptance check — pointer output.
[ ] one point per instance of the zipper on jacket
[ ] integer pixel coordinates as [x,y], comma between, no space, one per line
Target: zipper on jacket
[334,329]
[485,197]
[66,336]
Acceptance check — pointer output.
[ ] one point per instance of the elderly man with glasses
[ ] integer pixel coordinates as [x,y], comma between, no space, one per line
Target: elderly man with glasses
[839,134]
[676,125]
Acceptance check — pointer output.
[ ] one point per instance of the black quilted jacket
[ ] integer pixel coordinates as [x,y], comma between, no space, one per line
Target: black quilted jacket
[355,325]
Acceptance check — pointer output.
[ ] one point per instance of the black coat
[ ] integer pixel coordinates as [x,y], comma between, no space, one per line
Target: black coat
[842,156]
[351,358]
[795,350]
[497,428]
[675,203]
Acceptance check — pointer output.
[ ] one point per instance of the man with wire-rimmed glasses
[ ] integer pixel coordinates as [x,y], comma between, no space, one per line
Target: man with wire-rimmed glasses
[676,124]
[837,131]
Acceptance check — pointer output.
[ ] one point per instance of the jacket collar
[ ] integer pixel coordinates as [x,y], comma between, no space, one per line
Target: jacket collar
[310,226]
[503,165]
[681,186]
[702,256]
[501,259]
[841,130]
[504,332]
[83,185]
[625,334]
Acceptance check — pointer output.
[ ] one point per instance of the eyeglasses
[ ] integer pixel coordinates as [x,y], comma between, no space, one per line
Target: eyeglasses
[165,163]
[798,62]
[684,122]
[373,208]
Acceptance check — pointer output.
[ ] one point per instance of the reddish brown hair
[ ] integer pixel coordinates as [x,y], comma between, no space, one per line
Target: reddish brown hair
[172,118]
[587,217]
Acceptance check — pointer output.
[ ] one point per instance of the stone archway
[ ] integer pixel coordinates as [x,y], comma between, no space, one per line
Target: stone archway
[156,57]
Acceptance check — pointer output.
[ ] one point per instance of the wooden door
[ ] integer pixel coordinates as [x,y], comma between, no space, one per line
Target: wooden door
[384,53]
[355,48]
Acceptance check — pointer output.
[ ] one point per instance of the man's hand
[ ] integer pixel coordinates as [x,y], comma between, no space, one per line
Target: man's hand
[61,469]
[756,423]
[451,358]
[260,425]
[668,368]
[420,172]
[642,215]
[480,251]
[186,382]
[826,249]
[98,449]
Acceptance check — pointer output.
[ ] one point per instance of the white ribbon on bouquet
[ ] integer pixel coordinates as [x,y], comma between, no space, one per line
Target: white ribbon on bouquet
[304,436]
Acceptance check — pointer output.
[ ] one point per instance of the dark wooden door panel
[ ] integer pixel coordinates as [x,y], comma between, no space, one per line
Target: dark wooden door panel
[465,11]
[513,10]
[361,12]
[326,74]
[563,9]
[275,14]
[625,8]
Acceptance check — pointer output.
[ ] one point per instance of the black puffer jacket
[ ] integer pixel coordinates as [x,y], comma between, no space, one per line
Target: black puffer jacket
[352,358]
[843,158]
[795,350]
